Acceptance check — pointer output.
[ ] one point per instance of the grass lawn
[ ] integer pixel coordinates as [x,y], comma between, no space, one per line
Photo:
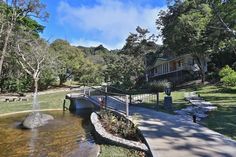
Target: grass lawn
[115,151]
[47,101]
[177,99]
[222,120]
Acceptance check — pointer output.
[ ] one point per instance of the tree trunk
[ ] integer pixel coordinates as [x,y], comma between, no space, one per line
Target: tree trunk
[4,49]
[35,85]
[203,76]
[62,79]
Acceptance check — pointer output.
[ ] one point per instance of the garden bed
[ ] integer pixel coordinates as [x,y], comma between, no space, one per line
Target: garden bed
[115,129]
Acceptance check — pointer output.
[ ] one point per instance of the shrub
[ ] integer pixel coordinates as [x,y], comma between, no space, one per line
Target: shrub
[159,85]
[119,125]
[47,79]
[213,76]
[226,71]
[229,80]
[228,76]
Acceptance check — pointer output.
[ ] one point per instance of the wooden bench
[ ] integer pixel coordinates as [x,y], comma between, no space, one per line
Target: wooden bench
[11,99]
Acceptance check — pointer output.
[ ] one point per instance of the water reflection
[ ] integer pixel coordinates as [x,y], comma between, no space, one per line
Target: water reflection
[66,135]
[34,135]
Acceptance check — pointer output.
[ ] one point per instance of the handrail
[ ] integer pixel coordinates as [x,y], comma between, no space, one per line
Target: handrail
[133,92]
[105,92]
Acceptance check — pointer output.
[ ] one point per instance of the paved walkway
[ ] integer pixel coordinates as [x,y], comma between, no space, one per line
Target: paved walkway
[171,135]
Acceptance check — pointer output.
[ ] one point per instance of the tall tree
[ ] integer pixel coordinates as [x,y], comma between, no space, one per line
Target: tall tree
[184,28]
[33,55]
[69,59]
[14,12]
[224,13]
[138,45]
[123,70]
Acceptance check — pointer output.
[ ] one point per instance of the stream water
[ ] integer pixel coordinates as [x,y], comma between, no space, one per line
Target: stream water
[67,135]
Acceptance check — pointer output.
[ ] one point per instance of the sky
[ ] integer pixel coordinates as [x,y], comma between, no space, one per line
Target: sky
[95,22]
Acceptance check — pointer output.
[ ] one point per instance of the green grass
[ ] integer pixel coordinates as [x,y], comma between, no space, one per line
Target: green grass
[223,120]
[114,151]
[177,99]
[47,101]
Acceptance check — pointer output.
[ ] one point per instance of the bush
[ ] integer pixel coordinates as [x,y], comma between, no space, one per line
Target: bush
[226,71]
[213,77]
[229,80]
[47,79]
[228,76]
[21,84]
[159,85]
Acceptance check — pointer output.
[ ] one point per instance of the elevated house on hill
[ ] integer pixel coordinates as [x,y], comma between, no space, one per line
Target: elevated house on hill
[176,69]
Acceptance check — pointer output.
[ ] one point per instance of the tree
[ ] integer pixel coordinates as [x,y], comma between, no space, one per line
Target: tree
[224,13]
[123,70]
[69,59]
[89,73]
[16,11]
[185,30]
[33,56]
[139,44]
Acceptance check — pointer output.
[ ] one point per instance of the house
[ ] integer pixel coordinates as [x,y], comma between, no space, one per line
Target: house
[176,69]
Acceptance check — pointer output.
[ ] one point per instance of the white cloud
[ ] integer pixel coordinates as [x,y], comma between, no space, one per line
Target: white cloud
[109,21]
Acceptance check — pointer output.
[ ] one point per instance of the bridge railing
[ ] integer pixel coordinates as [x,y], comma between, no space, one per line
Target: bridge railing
[138,96]
[116,101]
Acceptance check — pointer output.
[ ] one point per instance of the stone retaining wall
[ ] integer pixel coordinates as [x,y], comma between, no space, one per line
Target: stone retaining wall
[114,139]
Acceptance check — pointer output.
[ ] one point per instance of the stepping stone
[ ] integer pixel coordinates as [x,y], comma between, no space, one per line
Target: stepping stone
[206,103]
[196,102]
[209,108]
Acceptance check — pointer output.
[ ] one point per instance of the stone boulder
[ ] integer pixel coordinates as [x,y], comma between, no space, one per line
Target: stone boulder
[36,119]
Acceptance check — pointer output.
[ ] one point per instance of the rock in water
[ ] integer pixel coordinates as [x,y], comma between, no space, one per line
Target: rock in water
[36,119]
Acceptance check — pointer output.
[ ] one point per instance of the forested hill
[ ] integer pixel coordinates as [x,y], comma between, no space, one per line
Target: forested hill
[93,50]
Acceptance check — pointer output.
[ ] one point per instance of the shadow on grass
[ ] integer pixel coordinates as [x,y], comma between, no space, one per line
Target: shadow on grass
[227,90]
[161,107]
[213,98]
[223,121]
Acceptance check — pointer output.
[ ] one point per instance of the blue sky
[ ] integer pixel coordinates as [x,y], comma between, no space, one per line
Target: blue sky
[94,22]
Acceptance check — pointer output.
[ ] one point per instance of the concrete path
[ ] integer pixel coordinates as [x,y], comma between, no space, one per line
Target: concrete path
[171,135]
